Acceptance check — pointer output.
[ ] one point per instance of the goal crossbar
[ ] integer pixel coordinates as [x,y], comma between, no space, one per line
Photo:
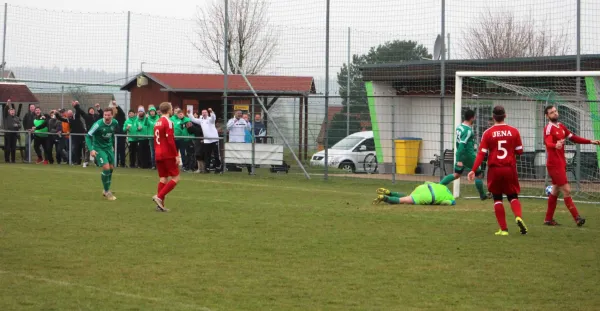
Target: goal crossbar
[527,74]
[458,96]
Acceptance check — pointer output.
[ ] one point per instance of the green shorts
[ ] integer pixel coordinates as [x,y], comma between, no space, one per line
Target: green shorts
[422,195]
[104,157]
[467,166]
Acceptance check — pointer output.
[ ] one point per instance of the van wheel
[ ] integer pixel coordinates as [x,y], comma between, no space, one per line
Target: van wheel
[348,167]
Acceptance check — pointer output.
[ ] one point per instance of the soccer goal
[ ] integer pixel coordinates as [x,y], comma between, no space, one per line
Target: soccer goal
[524,94]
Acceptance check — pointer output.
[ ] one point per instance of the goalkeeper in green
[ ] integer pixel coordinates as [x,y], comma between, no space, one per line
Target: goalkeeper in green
[465,154]
[100,142]
[426,194]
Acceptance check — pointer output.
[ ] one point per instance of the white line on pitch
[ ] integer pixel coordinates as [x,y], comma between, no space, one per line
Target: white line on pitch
[114,293]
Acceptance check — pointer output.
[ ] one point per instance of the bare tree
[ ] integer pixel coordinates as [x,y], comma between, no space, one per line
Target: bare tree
[502,35]
[251,41]
[80,94]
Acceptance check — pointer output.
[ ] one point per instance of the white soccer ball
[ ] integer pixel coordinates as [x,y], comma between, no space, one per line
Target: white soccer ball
[548,190]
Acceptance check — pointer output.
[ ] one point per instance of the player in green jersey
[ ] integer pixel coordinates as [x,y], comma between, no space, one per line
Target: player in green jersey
[465,154]
[426,194]
[100,142]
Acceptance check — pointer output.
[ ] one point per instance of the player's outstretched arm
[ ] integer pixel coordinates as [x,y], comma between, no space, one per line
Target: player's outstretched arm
[580,140]
[574,138]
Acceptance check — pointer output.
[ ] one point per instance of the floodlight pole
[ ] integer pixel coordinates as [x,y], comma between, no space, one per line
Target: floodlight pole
[442,82]
[326,136]
[4,41]
[578,93]
[348,89]
[226,73]
[127,104]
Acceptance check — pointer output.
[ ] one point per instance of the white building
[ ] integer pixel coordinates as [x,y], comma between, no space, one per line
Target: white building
[405,101]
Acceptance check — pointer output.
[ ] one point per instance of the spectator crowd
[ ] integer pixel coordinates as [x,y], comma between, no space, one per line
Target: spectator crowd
[197,135]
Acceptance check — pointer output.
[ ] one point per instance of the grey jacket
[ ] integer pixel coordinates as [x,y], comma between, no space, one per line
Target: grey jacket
[12,123]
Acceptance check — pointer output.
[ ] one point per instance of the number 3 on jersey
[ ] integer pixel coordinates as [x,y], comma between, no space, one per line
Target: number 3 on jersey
[502,149]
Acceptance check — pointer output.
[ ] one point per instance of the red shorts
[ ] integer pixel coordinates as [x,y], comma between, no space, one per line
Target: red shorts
[503,180]
[558,175]
[167,168]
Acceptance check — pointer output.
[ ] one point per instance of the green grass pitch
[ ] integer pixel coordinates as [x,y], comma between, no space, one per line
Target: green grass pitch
[277,242]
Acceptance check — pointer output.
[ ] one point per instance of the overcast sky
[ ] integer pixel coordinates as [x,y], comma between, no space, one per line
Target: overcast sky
[92,34]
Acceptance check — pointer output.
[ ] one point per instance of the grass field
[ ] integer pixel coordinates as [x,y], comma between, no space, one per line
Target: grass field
[276,242]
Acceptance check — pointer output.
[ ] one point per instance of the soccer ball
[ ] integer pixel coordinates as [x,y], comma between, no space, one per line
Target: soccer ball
[548,190]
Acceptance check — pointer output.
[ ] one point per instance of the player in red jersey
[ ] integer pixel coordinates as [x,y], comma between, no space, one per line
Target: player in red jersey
[502,142]
[555,134]
[167,157]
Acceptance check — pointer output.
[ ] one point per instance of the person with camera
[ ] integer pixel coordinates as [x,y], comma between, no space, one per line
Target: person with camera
[11,123]
[54,136]
[77,127]
[64,128]
[210,144]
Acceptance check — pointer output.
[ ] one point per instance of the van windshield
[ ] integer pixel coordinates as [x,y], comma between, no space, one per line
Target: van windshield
[347,143]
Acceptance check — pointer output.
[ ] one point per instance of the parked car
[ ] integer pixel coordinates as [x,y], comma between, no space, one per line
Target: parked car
[355,153]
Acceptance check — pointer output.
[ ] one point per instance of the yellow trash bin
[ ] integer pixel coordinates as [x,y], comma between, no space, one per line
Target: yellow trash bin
[407,154]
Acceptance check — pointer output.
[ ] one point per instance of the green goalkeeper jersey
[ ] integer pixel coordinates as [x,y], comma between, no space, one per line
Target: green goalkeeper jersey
[442,194]
[465,144]
[101,135]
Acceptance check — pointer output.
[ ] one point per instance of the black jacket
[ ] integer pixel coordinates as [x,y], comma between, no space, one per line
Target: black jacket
[196,130]
[75,122]
[11,123]
[28,120]
[90,119]
[121,117]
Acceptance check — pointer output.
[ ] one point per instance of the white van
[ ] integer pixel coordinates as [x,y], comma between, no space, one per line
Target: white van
[354,153]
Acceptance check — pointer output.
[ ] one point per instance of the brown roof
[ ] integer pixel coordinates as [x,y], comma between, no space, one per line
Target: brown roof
[185,82]
[17,93]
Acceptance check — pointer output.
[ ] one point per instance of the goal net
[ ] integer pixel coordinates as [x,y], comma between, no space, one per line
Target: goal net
[524,96]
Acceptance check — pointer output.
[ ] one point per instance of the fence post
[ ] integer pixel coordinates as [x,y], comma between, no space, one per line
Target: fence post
[29,147]
[253,138]
[70,148]
[393,144]
[225,79]
[116,150]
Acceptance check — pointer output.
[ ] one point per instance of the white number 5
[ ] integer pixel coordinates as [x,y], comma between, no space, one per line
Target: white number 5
[156,135]
[500,148]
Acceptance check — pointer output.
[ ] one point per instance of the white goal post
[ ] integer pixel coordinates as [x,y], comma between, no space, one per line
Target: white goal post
[518,76]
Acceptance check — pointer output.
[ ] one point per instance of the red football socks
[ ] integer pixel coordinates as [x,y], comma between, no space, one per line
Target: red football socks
[160,187]
[515,205]
[571,206]
[500,215]
[166,189]
[552,201]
